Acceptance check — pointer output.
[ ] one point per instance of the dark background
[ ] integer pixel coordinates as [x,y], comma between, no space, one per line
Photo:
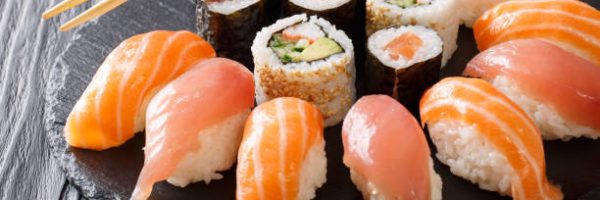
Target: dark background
[29,48]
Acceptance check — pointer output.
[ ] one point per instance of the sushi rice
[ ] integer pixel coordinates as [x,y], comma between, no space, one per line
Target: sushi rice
[319,5]
[328,82]
[205,163]
[469,155]
[228,7]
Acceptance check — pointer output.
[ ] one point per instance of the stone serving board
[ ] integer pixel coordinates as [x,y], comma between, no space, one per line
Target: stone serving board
[112,174]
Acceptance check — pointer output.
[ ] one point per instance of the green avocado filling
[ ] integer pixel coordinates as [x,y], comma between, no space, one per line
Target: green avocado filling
[405,3]
[290,51]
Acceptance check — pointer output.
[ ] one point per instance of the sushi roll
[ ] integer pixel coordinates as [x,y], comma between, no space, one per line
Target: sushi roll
[339,12]
[387,153]
[308,59]
[191,137]
[471,10]
[112,107]
[486,138]
[403,62]
[439,15]
[559,90]
[230,25]
[282,155]
[572,25]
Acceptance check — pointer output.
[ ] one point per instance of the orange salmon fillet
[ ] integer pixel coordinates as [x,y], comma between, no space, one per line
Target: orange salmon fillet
[277,139]
[111,109]
[502,123]
[570,24]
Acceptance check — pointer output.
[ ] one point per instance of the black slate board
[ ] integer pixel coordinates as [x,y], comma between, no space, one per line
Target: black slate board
[112,174]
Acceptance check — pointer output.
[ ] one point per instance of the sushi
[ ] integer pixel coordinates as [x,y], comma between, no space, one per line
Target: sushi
[570,24]
[559,90]
[195,125]
[439,15]
[387,153]
[307,59]
[486,138]
[112,107]
[472,10]
[403,62]
[341,13]
[282,155]
[230,25]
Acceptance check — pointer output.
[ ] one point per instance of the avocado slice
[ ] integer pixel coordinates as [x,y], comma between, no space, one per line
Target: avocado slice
[322,48]
[403,3]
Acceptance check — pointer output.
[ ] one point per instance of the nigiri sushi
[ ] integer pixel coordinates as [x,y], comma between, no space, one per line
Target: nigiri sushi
[559,90]
[387,153]
[282,154]
[112,107]
[194,125]
[486,138]
[570,24]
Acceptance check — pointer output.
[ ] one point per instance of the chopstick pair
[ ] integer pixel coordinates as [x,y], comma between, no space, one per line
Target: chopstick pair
[97,10]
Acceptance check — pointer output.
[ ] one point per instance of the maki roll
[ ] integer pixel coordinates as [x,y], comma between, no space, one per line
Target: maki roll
[339,12]
[230,26]
[309,59]
[403,62]
[439,15]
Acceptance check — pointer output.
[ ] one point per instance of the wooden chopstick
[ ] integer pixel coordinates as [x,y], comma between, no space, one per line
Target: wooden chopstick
[61,7]
[97,10]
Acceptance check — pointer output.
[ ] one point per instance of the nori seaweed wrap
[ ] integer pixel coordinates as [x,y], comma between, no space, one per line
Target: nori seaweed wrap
[231,34]
[401,75]
[343,16]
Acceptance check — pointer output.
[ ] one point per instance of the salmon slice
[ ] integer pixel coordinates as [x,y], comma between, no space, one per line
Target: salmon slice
[205,96]
[502,123]
[570,24]
[546,73]
[405,45]
[282,152]
[386,151]
[111,109]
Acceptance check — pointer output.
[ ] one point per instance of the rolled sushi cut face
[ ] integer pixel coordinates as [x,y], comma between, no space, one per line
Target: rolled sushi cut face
[303,42]
[405,46]
[227,7]
[409,3]
[319,5]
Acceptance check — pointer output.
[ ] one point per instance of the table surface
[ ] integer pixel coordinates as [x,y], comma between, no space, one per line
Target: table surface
[28,47]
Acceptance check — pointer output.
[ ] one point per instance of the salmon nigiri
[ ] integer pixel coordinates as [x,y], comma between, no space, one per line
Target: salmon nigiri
[387,153]
[570,24]
[194,125]
[486,138]
[282,155]
[559,90]
[111,109]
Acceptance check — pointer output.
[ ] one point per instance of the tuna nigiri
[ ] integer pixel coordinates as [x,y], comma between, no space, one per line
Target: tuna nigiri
[570,24]
[486,138]
[111,109]
[194,125]
[282,154]
[387,153]
[559,90]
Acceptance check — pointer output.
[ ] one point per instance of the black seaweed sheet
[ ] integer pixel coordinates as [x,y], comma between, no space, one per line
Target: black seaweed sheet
[344,16]
[232,34]
[405,85]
